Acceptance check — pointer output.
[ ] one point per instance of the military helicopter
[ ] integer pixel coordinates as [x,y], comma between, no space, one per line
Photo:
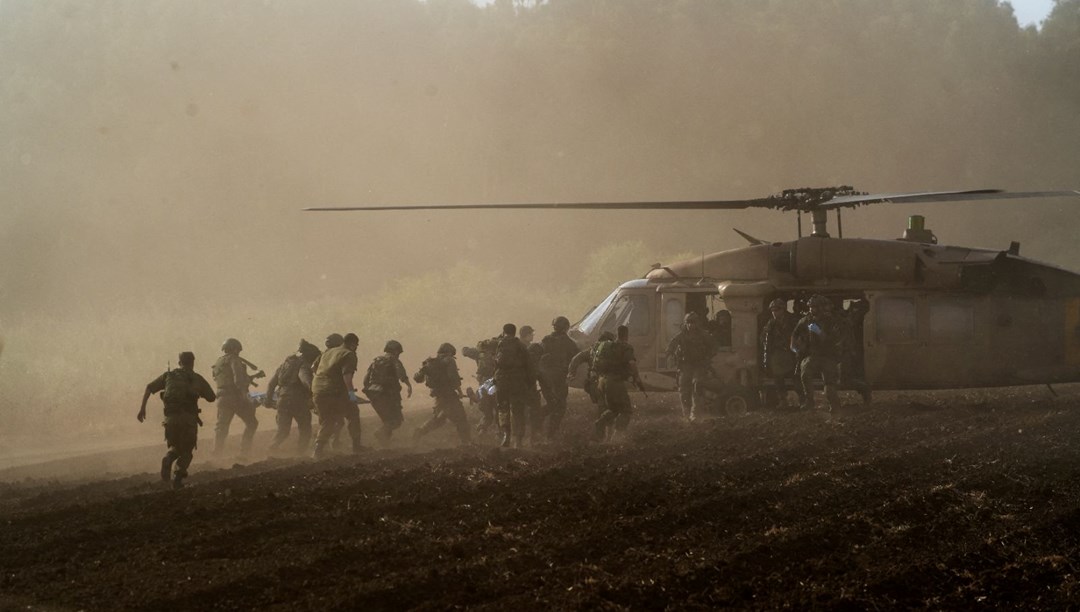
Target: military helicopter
[935,317]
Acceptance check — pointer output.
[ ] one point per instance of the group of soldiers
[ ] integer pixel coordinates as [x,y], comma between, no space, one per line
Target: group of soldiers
[514,373]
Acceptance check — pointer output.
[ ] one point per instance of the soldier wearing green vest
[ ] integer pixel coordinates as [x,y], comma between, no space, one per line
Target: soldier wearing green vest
[334,394]
[180,390]
[233,383]
[615,364]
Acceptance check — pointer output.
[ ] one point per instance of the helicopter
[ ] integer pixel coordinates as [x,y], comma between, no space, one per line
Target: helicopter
[936,316]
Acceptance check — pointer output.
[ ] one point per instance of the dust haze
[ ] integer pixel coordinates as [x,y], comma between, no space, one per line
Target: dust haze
[156,157]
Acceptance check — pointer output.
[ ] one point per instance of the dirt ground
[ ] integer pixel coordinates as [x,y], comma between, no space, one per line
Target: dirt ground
[948,500]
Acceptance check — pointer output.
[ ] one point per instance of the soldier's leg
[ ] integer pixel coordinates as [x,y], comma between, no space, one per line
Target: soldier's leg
[830,372]
[283,419]
[246,411]
[686,391]
[330,420]
[697,398]
[808,371]
[351,414]
[535,416]
[488,412]
[558,391]
[504,414]
[187,437]
[226,409]
[620,405]
[171,453]
[519,416]
[607,416]
[455,412]
[303,428]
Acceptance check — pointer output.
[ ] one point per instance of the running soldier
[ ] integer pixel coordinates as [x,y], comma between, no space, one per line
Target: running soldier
[777,359]
[585,357]
[513,379]
[692,349]
[233,383]
[440,374]
[334,394]
[615,363]
[293,379]
[818,339]
[559,351]
[180,391]
[484,356]
[382,385]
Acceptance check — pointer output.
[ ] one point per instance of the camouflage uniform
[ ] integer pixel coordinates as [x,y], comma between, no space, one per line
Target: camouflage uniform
[484,356]
[332,397]
[181,417]
[693,349]
[233,383]
[777,359]
[441,376]
[614,370]
[819,355]
[293,378]
[514,378]
[559,351]
[382,385]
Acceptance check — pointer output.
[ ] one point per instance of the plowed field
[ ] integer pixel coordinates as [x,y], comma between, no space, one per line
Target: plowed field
[952,500]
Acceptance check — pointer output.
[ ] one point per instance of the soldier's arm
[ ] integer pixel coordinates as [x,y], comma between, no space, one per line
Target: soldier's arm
[306,376]
[156,386]
[403,376]
[348,370]
[205,390]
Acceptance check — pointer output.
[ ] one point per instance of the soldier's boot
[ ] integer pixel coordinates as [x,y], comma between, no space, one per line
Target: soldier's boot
[320,449]
[178,479]
[504,440]
[166,465]
[833,397]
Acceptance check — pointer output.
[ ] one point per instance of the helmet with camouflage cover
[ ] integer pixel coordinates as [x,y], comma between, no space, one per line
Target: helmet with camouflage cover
[393,346]
[447,349]
[560,323]
[231,345]
[778,304]
[334,340]
[819,301]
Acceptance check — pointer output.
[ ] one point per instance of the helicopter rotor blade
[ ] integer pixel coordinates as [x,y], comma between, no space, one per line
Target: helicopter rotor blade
[940,196]
[673,205]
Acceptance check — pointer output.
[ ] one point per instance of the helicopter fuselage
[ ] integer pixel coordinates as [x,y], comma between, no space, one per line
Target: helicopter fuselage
[938,316]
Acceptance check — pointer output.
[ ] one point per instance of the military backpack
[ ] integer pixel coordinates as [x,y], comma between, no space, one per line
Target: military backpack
[179,386]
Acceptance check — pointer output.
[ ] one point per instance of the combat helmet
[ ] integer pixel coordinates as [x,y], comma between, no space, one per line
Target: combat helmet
[334,340]
[393,346]
[231,345]
[819,301]
[560,323]
[447,349]
[778,304]
[308,349]
[692,317]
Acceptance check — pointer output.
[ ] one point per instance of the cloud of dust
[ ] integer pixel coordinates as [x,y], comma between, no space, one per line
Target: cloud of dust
[156,156]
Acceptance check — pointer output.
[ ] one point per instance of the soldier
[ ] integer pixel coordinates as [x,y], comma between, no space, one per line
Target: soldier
[536,411]
[692,349]
[513,379]
[440,374]
[615,363]
[720,328]
[180,391]
[559,351]
[382,385]
[293,378]
[777,360]
[585,357]
[233,382]
[334,393]
[852,374]
[818,339]
[484,356]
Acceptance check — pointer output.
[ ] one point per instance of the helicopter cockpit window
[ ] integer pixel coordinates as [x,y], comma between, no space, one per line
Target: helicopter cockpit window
[588,322]
[631,310]
[951,320]
[896,320]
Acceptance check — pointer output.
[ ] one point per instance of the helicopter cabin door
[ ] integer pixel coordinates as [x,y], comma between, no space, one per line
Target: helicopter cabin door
[675,303]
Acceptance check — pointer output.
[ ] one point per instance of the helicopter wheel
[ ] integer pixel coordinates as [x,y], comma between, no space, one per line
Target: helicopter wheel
[737,404]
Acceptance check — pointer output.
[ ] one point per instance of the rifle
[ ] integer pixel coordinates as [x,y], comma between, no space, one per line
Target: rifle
[256,375]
